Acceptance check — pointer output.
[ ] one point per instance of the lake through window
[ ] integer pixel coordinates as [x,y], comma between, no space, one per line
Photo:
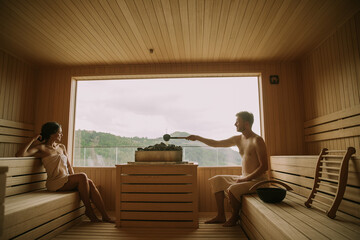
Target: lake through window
[115,117]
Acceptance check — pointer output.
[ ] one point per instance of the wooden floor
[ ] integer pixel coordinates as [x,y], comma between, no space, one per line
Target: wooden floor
[88,230]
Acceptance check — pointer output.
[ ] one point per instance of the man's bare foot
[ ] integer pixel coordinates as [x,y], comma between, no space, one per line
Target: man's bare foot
[109,220]
[217,219]
[91,215]
[231,222]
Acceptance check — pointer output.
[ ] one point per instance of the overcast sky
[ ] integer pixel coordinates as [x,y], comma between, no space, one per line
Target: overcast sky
[152,107]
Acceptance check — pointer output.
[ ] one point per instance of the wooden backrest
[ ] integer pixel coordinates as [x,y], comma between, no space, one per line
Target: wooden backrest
[12,134]
[15,132]
[336,125]
[299,172]
[24,175]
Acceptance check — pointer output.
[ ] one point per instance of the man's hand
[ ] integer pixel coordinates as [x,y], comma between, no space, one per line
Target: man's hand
[192,138]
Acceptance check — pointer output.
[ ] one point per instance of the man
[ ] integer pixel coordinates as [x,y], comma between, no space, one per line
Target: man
[254,166]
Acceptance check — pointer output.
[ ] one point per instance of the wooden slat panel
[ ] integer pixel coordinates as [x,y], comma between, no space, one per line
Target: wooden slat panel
[24,188]
[10,181]
[156,188]
[16,103]
[106,32]
[311,223]
[333,117]
[13,139]
[17,125]
[180,216]
[346,206]
[26,170]
[249,228]
[340,133]
[351,193]
[156,179]
[308,172]
[353,178]
[331,70]
[342,123]
[205,231]
[16,132]
[157,206]
[39,220]
[345,226]
[156,224]
[188,197]
[254,210]
[46,228]
[310,162]
[20,162]
[148,169]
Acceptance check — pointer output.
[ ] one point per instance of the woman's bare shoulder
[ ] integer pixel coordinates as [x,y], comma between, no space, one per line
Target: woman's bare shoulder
[62,146]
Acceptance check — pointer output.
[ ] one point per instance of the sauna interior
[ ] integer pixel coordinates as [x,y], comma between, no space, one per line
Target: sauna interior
[312,46]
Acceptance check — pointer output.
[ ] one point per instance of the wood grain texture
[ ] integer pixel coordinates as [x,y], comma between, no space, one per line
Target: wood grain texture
[105,179]
[138,180]
[87,230]
[17,103]
[299,172]
[290,219]
[332,87]
[122,32]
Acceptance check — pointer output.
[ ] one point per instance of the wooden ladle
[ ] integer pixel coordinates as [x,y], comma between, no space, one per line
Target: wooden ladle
[167,137]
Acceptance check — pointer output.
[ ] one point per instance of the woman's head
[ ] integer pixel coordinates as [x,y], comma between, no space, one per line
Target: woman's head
[51,130]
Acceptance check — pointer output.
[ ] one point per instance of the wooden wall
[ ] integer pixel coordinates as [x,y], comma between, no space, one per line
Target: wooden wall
[105,179]
[331,78]
[282,104]
[17,97]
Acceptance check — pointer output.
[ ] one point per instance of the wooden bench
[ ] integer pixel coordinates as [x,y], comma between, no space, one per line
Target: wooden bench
[12,134]
[290,219]
[32,212]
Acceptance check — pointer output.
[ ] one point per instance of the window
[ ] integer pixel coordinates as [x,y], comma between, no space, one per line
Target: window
[115,117]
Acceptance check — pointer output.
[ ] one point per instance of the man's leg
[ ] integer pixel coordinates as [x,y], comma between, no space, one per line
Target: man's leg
[220,217]
[235,205]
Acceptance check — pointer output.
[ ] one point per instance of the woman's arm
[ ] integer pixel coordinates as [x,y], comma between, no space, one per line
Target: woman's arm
[26,151]
[70,168]
[230,142]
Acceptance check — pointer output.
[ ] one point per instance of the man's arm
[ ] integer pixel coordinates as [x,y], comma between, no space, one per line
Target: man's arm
[263,161]
[230,142]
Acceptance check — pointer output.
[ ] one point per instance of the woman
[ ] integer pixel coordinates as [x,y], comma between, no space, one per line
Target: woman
[60,174]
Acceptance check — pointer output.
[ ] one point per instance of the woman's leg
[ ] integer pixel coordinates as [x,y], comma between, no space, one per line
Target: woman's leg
[79,181]
[98,201]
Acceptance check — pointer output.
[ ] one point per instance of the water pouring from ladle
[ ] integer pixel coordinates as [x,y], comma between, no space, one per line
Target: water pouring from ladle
[167,137]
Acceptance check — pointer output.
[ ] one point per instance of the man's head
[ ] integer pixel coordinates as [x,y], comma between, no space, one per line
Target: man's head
[244,121]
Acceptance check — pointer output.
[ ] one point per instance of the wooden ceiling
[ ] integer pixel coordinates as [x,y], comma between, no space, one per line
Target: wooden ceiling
[81,32]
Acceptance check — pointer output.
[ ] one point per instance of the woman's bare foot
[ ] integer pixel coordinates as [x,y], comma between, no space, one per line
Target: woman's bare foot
[217,219]
[91,215]
[232,221]
[108,219]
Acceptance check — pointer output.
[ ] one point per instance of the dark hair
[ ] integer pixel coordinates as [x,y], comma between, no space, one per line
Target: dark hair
[48,129]
[246,116]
